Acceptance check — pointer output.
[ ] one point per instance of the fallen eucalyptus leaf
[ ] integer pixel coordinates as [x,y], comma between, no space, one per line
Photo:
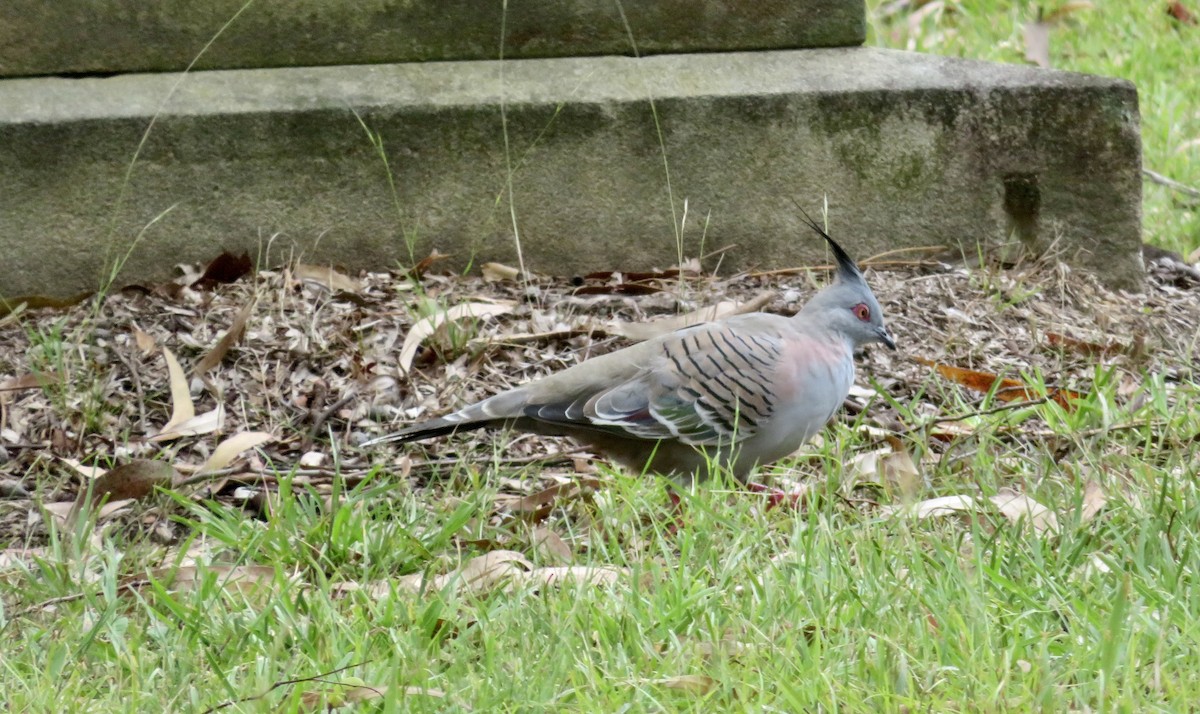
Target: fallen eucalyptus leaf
[205,423]
[231,337]
[1018,507]
[182,407]
[228,449]
[326,277]
[498,272]
[426,326]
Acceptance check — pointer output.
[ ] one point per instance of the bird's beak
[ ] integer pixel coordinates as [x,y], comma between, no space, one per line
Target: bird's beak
[885,337]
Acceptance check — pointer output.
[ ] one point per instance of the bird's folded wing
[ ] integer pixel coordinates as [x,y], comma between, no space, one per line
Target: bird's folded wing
[708,385]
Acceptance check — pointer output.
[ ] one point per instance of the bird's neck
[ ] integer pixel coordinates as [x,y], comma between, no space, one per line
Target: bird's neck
[824,334]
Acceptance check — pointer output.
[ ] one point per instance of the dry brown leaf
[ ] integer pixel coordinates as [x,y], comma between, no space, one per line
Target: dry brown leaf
[1094,500]
[182,408]
[483,571]
[500,568]
[338,695]
[61,511]
[16,304]
[326,277]
[113,509]
[498,272]
[32,380]
[427,262]
[479,574]
[352,691]
[426,326]
[144,341]
[537,506]
[595,576]
[647,330]
[236,329]
[12,558]
[690,683]
[946,431]
[136,479]
[88,472]
[243,578]
[1018,508]
[1093,349]
[550,546]
[225,268]
[116,489]
[1006,390]
[205,423]
[931,507]
[1181,13]
[320,700]
[11,488]
[364,693]
[890,468]
[228,449]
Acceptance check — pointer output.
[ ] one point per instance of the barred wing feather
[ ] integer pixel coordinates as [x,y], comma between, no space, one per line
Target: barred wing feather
[708,386]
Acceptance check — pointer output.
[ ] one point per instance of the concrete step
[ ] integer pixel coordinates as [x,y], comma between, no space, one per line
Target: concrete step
[911,150]
[113,36]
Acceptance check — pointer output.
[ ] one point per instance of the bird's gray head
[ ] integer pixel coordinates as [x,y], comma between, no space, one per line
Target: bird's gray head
[847,306]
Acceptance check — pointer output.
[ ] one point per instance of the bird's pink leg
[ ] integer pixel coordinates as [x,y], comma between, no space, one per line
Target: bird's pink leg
[775,497]
[676,512]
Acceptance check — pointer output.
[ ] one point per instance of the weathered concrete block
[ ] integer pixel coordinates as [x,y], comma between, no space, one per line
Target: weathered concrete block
[911,150]
[112,36]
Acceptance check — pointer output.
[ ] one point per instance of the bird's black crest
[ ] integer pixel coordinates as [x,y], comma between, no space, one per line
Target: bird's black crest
[847,270]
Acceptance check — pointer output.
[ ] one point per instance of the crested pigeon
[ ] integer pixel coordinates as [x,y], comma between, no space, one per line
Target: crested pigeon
[741,391]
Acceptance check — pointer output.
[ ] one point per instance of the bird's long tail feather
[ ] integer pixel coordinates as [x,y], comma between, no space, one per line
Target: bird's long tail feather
[427,430]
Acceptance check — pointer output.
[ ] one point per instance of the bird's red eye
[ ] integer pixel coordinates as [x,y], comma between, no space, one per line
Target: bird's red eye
[862,312]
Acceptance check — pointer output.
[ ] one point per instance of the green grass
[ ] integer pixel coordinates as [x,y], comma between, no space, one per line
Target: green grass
[837,607]
[1133,40]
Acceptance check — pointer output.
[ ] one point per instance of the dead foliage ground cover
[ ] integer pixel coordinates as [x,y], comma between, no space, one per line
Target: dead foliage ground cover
[291,368]
[192,446]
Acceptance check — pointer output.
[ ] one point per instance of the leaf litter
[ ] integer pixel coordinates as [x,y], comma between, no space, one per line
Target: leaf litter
[293,372]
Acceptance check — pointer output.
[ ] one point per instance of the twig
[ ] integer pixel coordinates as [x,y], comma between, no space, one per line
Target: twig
[521,338]
[869,263]
[122,587]
[1097,431]
[547,459]
[325,414]
[1170,536]
[285,683]
[718,251]
[875,259]
[137,388]
[557,457]
[1171,183]
[1007,406]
